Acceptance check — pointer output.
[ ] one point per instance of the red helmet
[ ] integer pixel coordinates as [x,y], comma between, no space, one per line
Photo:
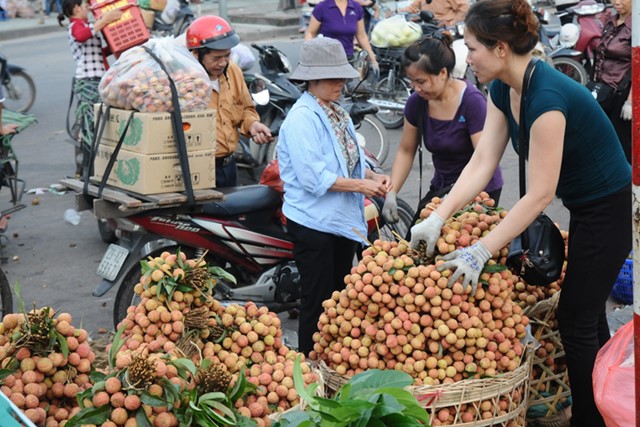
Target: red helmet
[212,32]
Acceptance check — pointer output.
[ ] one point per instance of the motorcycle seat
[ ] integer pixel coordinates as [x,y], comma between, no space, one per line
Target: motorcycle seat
[241,200]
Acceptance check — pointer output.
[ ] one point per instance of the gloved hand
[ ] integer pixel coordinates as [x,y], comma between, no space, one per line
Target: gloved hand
[390,208]
[625,114]
[429,231]
[375,70]
[468,262]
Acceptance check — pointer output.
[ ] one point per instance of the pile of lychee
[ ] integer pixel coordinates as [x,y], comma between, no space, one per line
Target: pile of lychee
[398,312]
[48,362]
[187,322]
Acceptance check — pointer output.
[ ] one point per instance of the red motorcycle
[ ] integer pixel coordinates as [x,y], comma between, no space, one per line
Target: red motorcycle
[245,233]
[582,30]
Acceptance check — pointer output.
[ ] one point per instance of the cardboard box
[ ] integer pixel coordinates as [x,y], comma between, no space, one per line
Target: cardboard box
[158,5]
[152,133]
[148,16]
[155,173]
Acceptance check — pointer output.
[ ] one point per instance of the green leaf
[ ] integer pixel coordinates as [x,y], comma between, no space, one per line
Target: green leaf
[495,268]
[418,413]
[220,412]
[367,382]
[4,373]
[151,400]
[222,274]
[90,416]
[298,382]
[242,421]
[213,396]
[184,288]
[97,376]
[398,420]
[17,289]
[185,365]
[62,342]
[117,344]
[142,419]
[386,404]
[240,388]
[293,418]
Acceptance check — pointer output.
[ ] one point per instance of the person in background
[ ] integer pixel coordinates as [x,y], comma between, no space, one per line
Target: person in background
[47,6]
[342,20]
[90,56]
[448,12]
[325,180]
[8,128]
[613,67]
[573,152]
[210,38]
[454,113]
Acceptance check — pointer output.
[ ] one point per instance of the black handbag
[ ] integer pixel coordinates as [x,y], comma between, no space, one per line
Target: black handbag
[537,255]
[603,93]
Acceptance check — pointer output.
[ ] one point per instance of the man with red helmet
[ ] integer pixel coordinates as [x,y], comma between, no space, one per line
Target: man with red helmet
[211,38]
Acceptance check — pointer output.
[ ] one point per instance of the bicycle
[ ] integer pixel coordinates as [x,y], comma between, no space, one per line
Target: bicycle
[9,178]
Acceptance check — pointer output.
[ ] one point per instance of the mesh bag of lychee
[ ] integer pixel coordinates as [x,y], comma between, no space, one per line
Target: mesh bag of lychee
[136,81]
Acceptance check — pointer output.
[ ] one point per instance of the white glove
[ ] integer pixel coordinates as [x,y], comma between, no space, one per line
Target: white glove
[625,114]
[429,231]
[390,208]
[468,262]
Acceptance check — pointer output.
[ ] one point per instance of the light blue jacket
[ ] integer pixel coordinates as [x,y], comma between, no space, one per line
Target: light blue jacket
[310,161]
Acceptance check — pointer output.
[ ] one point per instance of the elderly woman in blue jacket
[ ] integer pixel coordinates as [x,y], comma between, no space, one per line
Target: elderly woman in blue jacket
[325,180]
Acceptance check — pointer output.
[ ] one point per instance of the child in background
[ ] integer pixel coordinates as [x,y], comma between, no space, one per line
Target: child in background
[90,56]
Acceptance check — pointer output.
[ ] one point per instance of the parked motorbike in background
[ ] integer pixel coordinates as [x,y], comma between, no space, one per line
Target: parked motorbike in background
[18,87]
[557,44]
[251,158]
[174,19]
[282,94]
[583,25]
[393,88]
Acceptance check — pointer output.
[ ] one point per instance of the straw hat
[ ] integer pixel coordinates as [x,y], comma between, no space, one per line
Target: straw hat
[323,58]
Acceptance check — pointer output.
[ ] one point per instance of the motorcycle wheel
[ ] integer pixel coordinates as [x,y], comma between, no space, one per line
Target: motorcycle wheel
[375,137]
[392,119]
[571,68]
[107,233]
[19,92]
[6,303]
[388,231]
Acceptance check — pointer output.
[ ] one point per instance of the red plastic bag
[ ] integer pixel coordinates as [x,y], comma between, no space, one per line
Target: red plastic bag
[271,177]
[613,379]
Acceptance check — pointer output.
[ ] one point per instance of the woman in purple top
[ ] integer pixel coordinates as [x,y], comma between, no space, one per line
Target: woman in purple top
[454,114]
[613,67]
[341,20]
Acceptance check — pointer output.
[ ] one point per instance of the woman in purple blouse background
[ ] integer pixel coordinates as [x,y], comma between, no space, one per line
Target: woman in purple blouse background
[613,67]
[454,114]
[342,20]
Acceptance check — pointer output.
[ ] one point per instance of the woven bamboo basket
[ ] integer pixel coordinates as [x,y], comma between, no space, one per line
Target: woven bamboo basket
[549,388]
[511,387]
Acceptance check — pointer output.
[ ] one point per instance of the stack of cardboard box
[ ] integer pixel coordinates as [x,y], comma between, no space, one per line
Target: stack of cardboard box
[148,161]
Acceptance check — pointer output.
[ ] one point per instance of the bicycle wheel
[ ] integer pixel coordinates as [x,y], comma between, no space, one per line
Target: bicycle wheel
[397,92]
[6,304]
[375,137]
[571,68]
[388,231]
[20,92]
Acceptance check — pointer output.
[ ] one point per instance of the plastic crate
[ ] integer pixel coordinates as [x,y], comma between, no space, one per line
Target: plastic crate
[623,288]
[11,416]
[128,31]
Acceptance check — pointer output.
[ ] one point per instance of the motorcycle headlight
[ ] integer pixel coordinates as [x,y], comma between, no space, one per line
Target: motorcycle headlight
[286,64]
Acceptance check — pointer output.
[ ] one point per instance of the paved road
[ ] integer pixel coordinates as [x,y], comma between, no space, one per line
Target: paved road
[55,262]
